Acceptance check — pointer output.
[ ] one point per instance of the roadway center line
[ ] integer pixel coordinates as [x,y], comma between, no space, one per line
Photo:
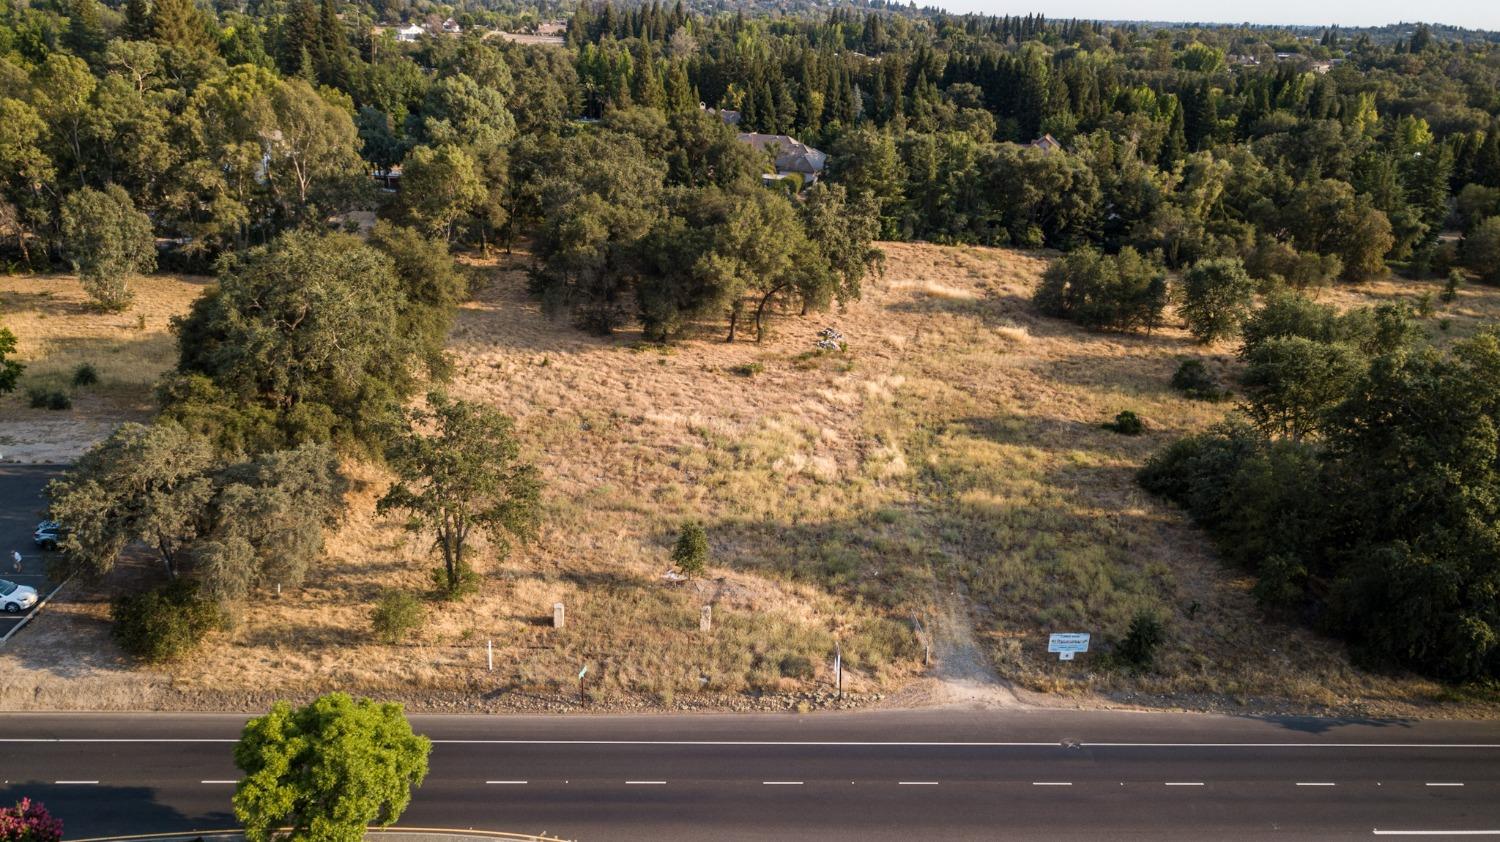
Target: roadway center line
[781,783]
[515,783]
[813,743]
[646,783]
[916,783]
[1444,783]
[1183,783]
[1315,783]
[1051,783]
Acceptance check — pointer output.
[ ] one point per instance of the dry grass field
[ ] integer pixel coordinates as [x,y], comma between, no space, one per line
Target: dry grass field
[57,331]
[949,468]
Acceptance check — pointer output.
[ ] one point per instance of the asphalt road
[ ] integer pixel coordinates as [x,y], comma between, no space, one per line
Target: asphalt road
[898,775]
[21,490]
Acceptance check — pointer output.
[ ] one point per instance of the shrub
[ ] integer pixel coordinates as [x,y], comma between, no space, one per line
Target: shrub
[1450,289]
[1281,581]
[1105,292]
[1192,379]
[1143,638]
[1277,261]
[691,552]
[796,666]
[165,623]
[85,375]
[397,614]
[748,369]
[42,398]
[29,821]
[1216,298]
[1127,423]
[463,581]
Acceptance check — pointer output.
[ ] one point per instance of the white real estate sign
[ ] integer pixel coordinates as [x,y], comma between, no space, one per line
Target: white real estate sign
[1065,644]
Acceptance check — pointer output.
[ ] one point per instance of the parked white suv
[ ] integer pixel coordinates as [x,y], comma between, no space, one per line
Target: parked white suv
[16,598]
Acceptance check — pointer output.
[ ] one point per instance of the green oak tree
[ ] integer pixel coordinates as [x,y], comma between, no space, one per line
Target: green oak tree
[459,471]
[327,770]
[108,241]
[1216,297]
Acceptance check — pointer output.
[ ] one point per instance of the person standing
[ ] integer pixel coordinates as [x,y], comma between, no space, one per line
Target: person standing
[15,557]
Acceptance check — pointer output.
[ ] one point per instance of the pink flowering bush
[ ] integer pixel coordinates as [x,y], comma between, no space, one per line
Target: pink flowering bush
[28,822]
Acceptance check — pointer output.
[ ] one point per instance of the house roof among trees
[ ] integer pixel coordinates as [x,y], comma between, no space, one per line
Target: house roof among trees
[791,155]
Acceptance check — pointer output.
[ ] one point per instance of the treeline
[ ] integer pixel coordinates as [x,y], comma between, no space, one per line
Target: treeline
[224,129]
[1359,482]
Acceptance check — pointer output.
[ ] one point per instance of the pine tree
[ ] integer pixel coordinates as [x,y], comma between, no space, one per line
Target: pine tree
[1175,146]
[137,20]
[1487,160]
[183,33]
[333,51]
[178,25]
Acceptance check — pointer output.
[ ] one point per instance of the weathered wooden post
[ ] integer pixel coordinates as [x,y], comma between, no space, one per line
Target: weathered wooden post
[706,619]
[558,617]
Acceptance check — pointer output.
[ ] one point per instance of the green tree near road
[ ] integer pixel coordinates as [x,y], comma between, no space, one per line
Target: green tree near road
[467,475]
[143,483]
[327,770]
[108,241]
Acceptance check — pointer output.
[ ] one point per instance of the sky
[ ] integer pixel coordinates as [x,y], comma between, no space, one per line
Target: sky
[1474,14]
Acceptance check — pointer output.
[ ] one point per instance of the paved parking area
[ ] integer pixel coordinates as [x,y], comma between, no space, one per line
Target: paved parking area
[21,490]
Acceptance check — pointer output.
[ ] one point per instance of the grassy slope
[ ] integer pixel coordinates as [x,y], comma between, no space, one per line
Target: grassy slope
[956,447]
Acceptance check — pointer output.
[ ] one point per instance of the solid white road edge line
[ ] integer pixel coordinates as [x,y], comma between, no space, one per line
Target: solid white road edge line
[1315,783]
[917,783]
[1378,832]
[646,783]
[1183,783]
[218,782]
[1444,783]
[781,783]
[1051,783]
[517,783]
[74,782]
